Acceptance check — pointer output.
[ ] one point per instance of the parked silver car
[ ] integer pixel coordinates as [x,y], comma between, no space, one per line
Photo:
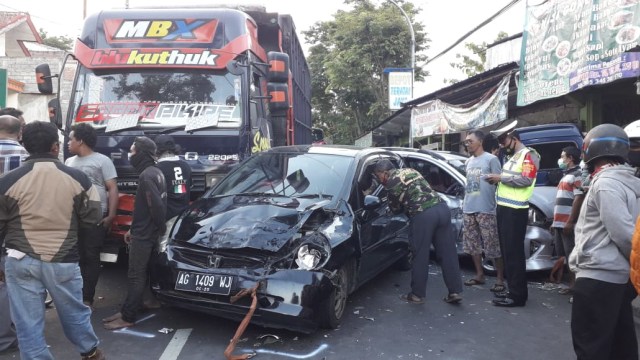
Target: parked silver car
[445,172]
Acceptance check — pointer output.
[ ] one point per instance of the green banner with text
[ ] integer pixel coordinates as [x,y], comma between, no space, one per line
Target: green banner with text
[3,88]
[570,44]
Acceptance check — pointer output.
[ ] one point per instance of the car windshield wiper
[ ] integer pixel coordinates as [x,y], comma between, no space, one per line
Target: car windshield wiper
[312,196]
[251,194]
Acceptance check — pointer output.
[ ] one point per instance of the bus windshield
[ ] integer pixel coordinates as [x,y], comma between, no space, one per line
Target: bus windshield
[157,99]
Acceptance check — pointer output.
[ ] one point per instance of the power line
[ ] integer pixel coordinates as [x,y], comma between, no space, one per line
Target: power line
[36,16]
[485,22]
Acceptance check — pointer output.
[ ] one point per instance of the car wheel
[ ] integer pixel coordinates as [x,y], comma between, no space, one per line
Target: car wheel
[332,309]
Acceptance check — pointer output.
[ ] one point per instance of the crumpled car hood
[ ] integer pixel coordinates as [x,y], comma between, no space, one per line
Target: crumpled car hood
[239,221]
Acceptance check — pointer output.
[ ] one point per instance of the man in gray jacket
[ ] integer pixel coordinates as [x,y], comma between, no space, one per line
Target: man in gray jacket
[602,324]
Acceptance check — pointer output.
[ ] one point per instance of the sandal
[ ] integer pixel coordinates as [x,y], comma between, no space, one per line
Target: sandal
[453,298]
[565,291]
[474,281]
[496,288]
[410,298]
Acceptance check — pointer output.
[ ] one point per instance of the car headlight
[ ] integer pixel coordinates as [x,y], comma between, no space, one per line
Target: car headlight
[313,253]
[164,238]
[211,180]
[308,258]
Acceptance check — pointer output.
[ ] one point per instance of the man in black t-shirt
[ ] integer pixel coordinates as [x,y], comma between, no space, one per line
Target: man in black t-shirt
[147,225]
[177,174]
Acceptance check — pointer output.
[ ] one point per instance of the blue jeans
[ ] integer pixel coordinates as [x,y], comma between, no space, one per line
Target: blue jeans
[7,333]
[27,280]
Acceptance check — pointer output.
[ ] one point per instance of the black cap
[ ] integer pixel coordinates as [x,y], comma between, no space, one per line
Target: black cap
[144,145]
[165,143]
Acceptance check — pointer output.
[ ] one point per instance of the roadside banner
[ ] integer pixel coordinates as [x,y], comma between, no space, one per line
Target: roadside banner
[400,87]
[437,117]
[570,44]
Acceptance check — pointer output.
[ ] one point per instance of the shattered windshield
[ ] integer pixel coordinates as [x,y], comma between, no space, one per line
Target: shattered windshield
[157,99]
[293,174]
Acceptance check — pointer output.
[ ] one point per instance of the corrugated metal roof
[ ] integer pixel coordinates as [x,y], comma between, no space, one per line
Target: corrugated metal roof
[34,46]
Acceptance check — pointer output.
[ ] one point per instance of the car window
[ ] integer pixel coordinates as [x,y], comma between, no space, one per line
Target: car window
[439,179]
[288,174]
[550,153]
[367,183]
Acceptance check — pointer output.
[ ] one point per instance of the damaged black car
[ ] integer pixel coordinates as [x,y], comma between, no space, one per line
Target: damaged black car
[303,225]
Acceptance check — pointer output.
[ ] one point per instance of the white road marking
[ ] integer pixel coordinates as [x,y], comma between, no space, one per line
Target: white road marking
[176,344]
[135,333]
[290,355]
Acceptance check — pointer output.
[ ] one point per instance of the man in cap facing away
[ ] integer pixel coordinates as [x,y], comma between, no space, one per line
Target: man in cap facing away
[177,174]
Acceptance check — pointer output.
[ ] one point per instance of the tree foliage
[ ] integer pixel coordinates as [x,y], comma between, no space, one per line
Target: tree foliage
[347,57]
[61,42]
[473,64]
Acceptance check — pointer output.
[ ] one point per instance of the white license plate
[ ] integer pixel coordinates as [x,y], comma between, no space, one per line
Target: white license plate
[204,283]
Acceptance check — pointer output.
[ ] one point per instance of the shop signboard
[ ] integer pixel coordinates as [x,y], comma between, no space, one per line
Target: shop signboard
[400,87]
[437,117]
[570,44]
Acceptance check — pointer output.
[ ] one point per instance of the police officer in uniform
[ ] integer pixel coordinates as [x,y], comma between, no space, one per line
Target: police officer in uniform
[515,187]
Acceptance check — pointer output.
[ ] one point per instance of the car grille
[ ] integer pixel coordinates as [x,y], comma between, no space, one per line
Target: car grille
[201,259]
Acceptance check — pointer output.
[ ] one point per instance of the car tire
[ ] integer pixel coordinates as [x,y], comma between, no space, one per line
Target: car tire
[333,308]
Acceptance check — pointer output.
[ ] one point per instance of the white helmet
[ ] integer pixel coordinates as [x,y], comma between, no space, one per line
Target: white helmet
[633,131]
[505,130]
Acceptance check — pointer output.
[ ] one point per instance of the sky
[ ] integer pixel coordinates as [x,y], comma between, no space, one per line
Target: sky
[445,21]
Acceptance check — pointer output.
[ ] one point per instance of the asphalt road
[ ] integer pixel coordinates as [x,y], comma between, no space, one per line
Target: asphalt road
[378,325]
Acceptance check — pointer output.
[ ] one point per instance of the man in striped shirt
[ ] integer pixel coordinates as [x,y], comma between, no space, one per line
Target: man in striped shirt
[12,154]
[563,218]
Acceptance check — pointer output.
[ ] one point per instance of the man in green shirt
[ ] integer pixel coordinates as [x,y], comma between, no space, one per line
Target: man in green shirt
[430,217]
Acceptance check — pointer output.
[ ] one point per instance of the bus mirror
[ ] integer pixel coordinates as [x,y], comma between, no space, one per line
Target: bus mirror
[43,79]
[234,68]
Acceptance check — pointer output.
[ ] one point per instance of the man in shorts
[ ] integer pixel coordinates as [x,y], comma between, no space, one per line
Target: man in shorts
[480,230]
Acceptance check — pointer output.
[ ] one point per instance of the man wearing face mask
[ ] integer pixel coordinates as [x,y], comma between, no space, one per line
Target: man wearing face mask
[570,185]
[602,325]
[515,187]
[147,225]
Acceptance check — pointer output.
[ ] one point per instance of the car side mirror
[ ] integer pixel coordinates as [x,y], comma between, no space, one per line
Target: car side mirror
[371,202]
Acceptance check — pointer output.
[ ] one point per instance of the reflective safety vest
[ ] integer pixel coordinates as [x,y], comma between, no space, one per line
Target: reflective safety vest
[510,196]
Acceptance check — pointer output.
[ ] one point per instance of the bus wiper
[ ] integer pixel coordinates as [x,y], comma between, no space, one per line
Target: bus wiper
[182,127]
[125,122]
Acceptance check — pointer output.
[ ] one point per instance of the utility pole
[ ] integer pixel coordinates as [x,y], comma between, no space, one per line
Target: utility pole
[413,62]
